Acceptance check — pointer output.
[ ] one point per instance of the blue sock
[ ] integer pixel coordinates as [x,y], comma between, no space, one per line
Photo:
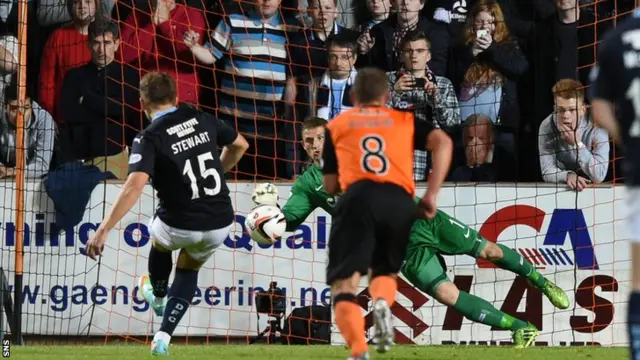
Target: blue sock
[633,324]
[160,265]
[181,293]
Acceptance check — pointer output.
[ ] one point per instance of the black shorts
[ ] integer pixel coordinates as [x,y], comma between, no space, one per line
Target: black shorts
[370,229]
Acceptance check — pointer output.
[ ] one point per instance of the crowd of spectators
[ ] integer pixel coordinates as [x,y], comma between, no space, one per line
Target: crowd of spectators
[507,79]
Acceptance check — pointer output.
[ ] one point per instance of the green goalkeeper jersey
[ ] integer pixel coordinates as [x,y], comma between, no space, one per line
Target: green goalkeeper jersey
[307,194]
[444,234]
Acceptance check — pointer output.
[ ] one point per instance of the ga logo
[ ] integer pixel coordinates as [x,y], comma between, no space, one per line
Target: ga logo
[564,223]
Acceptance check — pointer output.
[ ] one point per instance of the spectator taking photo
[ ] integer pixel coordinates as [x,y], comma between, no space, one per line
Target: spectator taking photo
[415,87]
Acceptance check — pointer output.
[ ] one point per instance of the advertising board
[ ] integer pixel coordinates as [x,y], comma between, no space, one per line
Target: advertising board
[578,241]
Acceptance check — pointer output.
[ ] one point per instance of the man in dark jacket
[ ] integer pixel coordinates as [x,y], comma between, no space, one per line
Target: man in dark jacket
[307,49]
[562,46]
[99,102]
[382,42]
[326,95]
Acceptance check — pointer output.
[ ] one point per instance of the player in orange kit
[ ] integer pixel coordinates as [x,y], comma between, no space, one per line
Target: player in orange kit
[368,155]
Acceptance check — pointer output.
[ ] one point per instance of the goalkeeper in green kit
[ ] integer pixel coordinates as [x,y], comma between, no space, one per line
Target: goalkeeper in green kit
[442,235]
[307,193]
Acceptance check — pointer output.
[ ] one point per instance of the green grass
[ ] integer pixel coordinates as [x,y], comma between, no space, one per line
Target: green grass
[268,352]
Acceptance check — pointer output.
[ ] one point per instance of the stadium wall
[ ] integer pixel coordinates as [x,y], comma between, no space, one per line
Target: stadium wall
[577,240]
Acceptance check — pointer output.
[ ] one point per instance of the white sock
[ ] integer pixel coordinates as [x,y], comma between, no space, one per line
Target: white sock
[161,335]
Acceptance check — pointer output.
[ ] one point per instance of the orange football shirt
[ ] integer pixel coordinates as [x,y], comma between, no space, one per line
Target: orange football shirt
[374,143]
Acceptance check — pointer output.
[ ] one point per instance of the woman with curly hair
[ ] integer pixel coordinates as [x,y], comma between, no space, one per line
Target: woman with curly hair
[486,65]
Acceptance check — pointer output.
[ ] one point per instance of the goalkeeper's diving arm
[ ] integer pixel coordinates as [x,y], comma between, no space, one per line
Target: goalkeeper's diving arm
[233,152]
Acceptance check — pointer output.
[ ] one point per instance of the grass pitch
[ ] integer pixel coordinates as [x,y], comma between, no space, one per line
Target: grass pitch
[276,352]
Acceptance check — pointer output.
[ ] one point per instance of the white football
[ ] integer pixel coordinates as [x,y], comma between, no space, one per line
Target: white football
[266,224]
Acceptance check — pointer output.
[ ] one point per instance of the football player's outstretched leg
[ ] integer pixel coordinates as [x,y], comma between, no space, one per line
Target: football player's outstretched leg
[428,275]
[508,259]
[179,295]
[179,152]
[451,236]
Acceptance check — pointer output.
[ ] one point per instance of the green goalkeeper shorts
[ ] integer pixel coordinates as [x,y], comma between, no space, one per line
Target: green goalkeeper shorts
[443,235]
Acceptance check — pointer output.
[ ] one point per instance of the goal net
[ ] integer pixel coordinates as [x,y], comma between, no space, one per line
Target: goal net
[576,239]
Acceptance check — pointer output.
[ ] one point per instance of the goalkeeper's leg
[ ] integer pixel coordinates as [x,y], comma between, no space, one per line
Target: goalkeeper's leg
[423,270]
[479,310]
[457,238]
[509,259]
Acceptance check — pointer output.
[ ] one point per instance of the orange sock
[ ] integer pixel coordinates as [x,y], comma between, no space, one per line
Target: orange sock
[384,287]
[351,324]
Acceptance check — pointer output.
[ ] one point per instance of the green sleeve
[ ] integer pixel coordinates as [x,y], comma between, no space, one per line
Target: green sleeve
[299,205]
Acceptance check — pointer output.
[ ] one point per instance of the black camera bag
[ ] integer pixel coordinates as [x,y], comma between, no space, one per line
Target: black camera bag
[309,325]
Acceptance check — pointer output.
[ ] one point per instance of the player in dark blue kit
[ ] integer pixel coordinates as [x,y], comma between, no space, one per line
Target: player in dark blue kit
[179,152]
[615,93]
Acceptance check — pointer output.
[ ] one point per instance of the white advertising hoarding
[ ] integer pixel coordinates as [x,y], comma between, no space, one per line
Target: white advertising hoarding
[579,241]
